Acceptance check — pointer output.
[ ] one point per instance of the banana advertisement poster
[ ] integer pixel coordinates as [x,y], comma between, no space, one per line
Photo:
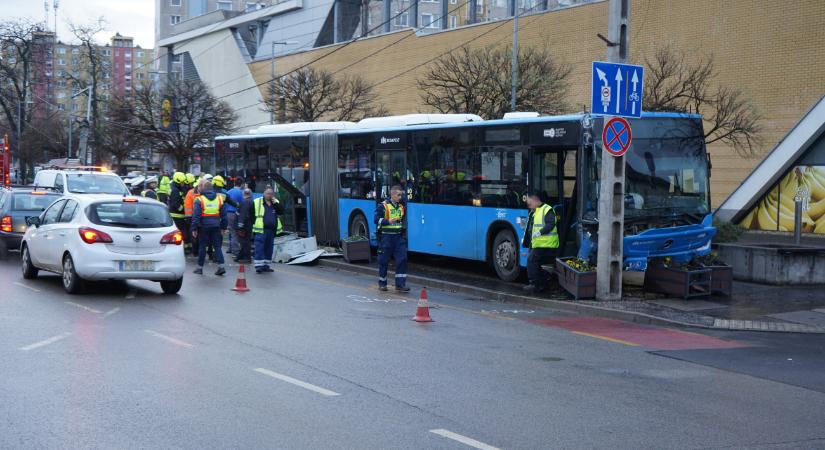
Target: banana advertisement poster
[775,211]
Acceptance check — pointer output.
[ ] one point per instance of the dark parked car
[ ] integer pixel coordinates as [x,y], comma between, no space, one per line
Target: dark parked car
[17,204]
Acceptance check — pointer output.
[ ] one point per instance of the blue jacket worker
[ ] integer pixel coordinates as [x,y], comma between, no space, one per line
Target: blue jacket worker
[208,223]
[542,238]
[391,219]
[264,226]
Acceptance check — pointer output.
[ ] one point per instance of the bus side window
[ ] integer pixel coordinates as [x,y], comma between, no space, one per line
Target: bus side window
[502,176]
[355,172]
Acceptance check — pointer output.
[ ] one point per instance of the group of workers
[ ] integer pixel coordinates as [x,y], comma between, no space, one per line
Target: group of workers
[203,210]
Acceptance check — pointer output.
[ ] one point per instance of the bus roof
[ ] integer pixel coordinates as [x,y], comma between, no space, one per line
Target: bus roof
[487,123]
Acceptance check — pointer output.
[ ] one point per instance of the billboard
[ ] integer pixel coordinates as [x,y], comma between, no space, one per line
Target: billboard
[775,211]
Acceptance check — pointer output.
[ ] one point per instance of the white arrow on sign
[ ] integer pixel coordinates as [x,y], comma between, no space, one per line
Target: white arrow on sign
[605,98]
[634,80]
[618,89]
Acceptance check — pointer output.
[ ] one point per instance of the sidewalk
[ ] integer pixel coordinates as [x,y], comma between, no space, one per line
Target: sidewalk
[752,307]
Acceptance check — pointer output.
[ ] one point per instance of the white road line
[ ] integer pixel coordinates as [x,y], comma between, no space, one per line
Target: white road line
[299,383]
[463,439]
[16,283]
[169,339]
[78,305]
[46,342]
[110,312]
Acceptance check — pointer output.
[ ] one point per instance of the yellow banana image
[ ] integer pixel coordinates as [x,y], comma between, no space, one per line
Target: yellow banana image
[766,220]
[749,219]
[816,210]
[815,181]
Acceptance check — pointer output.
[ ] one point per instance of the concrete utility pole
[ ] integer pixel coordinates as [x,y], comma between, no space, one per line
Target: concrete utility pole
[610,261]
[514,62]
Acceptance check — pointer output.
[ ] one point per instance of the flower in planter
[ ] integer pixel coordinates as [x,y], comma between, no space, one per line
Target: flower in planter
[580,265]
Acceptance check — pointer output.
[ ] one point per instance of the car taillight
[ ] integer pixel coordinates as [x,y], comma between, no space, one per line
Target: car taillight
[174,238]
[5,224]
[92,236]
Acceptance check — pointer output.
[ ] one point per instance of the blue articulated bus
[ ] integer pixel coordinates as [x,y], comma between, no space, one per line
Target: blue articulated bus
[465,180]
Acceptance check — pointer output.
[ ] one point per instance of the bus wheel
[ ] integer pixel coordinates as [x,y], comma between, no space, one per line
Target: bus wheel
[505,256]
[359,226]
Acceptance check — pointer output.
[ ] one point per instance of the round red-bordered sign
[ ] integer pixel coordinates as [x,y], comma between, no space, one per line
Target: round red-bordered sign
[616,136]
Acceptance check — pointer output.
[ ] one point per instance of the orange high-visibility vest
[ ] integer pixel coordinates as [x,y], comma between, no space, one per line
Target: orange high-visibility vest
[189,203]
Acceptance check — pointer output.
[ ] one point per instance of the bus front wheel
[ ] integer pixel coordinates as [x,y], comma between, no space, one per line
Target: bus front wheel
[505,256]
[359,226]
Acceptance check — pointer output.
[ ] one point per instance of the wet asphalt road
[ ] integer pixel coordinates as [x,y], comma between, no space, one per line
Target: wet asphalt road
[313,358]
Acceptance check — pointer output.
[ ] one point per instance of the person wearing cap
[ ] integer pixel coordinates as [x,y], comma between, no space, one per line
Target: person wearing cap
[177,192]
[391,219]
[541,236]
[151,186]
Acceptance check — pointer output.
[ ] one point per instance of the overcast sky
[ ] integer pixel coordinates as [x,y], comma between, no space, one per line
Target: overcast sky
[129,17]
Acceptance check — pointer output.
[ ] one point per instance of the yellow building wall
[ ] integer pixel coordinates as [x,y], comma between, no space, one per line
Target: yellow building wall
[773,51]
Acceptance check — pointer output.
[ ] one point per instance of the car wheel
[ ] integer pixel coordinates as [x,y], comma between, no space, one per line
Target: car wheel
[171,287]
[71,280]
[505,256]
[359,226]
[29,271]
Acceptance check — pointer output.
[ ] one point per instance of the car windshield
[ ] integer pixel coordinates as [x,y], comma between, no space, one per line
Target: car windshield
[129,215]
[26,201]
[91,183]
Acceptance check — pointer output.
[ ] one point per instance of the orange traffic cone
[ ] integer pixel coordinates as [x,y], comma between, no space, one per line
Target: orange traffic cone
[240,283]
[422,314]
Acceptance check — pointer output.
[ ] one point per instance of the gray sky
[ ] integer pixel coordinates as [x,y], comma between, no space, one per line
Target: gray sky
[134,18]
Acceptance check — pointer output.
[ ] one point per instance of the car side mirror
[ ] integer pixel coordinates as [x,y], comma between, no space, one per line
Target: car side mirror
[33,221]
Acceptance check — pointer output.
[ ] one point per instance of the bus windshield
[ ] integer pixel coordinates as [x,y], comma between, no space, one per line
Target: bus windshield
[666,171]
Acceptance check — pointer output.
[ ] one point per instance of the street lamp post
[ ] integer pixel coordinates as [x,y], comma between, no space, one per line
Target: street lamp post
[272,93]
[88,109]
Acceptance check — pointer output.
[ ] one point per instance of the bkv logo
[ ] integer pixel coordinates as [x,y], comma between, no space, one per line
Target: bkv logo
[386,140]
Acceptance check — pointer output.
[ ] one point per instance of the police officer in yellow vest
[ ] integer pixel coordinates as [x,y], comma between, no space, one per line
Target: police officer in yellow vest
[265,225]
[208,223]
[391,219]
[542,238]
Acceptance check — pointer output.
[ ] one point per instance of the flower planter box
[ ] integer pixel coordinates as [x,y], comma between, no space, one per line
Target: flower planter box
[721,279]
[355,251]
[580,285]
[678,282]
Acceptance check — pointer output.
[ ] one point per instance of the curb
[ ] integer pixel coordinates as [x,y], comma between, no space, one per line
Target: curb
[599,311]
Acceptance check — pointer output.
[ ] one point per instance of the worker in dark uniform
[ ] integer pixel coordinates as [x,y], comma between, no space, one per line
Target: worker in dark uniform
[177,192]
[541,236]
[391,219]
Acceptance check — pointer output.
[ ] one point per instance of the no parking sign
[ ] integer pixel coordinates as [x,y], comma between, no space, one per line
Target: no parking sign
[616,136]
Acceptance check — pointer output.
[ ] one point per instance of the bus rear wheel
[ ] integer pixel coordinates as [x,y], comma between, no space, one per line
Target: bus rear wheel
[359,226]
[505,258]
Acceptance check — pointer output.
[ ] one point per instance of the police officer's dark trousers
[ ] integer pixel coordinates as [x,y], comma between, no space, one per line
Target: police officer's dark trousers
[392,246]
[538,257]
[210,236]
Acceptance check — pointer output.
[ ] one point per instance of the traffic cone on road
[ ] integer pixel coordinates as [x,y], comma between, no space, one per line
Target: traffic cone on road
[422,314]
[240,283]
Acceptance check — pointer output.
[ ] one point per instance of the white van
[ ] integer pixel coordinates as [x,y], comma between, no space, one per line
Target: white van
[81,181]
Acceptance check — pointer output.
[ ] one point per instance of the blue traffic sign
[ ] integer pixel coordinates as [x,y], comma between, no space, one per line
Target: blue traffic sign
[617,89]
[616,136]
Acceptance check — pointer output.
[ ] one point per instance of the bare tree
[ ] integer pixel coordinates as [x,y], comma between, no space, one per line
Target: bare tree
[675,83]
[118,136]
[478,81]
[197,118]
[94,68]
[310,95]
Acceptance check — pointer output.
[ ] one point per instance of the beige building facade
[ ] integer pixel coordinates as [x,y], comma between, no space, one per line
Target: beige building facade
[773,51]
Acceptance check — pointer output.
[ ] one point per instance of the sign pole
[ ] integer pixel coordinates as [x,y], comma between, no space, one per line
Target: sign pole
[609,261]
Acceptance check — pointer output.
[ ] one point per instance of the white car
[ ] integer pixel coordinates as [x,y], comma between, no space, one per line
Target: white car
[92,180]
[105,237]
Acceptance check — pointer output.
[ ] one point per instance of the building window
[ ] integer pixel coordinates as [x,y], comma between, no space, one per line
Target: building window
[61,106]
[61,83]
[75,51]
[174,19]
[176,58]
[429,21]
[479,6]
[453,2]
[141,76]
[127,55]
[174,2]
[61,51]
[140,54]
[61,95]
[107,52]
[129,66]
[251,7]
[453,21]
[61,62]
[225,6]
[430,1]
[74,106]
[401,20]
[128,87]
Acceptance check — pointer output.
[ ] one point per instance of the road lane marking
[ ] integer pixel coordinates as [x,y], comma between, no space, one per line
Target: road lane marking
[298,383]
[46,342]
[605,338]
[78,305]
[16,283]
[110,312]
[169,339]
[463,439]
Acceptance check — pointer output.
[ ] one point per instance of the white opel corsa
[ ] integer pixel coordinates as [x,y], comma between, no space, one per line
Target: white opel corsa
[105,237]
